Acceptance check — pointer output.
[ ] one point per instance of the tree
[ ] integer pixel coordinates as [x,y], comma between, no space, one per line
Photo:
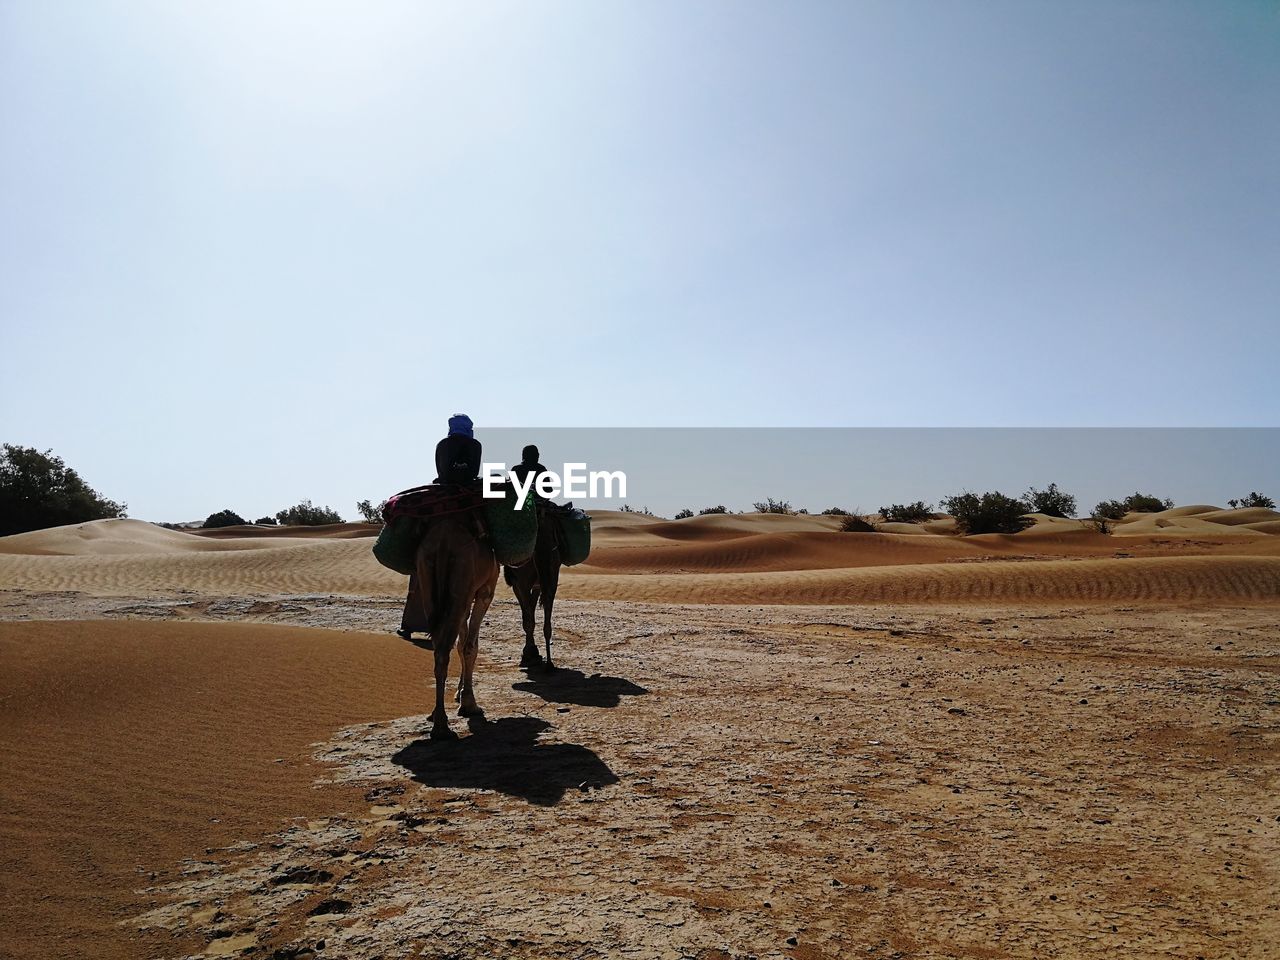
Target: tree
[686,512]
[1134,503]
[39,490]
[917,512]
[719,508]
[987,513]
[265,522]
[223,518]
[770,505]
[369,512]
[835,512]
[1052,502]
[1254,499]
[305,514]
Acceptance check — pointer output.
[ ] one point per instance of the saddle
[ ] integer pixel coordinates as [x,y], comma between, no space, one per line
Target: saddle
[433,500]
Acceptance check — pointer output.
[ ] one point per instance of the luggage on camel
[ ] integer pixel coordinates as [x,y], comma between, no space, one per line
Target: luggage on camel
[575,535]
[572,530]
[512,532]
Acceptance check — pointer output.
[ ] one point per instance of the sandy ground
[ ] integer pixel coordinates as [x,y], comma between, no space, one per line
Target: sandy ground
[703,781]
[766,739]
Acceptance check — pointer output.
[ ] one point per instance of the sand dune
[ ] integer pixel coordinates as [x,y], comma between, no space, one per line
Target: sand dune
[128,743]
[718,556]
[326,531]
[1173,579]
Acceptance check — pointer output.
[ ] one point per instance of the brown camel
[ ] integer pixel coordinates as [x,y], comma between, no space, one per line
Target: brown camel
[534,580]
[457,573]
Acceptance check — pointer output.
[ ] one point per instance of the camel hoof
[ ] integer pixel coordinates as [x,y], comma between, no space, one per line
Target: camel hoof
[443,732]
[474,710]
[531,658]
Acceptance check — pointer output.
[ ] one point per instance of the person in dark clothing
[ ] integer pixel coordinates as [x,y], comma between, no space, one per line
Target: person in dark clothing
[528,465]
[458,454]
[457,461]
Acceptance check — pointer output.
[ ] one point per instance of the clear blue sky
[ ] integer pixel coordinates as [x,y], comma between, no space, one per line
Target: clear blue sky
[251,252]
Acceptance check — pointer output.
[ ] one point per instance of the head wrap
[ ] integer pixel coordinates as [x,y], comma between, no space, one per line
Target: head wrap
[460,424]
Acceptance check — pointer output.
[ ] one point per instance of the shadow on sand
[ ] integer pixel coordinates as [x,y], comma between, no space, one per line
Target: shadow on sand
[573,686]
[505,756]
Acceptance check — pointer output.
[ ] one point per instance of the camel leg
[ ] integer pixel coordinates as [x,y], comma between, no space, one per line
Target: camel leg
[528,611]
[470,650]
[552,581]
[442,646]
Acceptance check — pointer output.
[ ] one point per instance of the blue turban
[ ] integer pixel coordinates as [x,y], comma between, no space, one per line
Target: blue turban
[460,424]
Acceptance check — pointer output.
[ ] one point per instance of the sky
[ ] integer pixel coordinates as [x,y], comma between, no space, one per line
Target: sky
[252,252]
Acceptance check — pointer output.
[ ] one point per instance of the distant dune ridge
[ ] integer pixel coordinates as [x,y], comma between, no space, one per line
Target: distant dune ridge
[1201,552]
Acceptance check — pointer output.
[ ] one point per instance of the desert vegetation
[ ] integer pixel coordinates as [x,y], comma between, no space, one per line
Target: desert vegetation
[1254,499]
[990,512]
[770,505]
[223,518]
[38,490]
[369,512]
[306,514]
[1134,503]
[917,512]
[1050,501]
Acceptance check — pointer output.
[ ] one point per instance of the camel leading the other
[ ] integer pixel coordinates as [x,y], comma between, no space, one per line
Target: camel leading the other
[457,573]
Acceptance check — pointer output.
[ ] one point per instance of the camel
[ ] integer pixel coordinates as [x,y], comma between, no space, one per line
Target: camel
[537,579]
[457,573]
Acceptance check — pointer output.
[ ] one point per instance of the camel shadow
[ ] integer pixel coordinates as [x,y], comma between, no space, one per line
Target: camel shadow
[573,686]
[505,756]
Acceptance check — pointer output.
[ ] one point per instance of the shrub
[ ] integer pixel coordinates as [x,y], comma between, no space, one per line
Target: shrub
[917,512]
[771,505]
[720,508]
[686,512]
[305,514]
[223,518]
[643,511]
[1134,503]
[39,490]
[1051,501]
[835,512]
[1254,499]
[853,524]
[369,512]
[987,513]
[265,521]
[1109,510]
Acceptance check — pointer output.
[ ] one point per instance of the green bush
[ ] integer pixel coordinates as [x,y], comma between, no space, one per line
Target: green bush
[686,512]
[1254,499]
[720,508]
[305,514]
[265,522]
[1134,503]
[853,524]
[987,512]
[917,512]
[223,518]
[643,511]
[38,490]
[835,512]
[770,505]
[1051,501]
[369,513]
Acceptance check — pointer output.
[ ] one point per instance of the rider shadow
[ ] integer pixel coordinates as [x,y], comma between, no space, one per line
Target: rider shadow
[573,686]
[505,756]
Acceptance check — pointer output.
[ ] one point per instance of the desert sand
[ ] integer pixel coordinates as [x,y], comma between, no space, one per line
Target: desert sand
[767,738]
